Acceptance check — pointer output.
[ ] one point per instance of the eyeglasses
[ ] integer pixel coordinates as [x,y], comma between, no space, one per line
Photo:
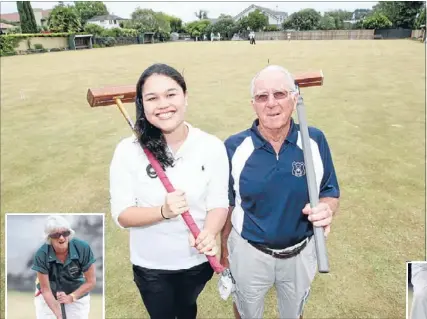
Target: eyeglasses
[278,95]
[58,235]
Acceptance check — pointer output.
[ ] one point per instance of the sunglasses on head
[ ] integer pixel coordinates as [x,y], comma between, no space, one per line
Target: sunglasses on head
[58,235]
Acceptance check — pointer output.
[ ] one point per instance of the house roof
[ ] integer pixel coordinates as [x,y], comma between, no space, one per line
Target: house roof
[263,9]
[105,17]
[6,26]
[14,17]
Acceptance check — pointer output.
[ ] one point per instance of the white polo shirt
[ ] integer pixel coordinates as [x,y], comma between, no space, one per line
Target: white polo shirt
[201,170]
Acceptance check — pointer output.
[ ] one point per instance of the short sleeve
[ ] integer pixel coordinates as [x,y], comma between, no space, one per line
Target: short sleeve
[121,181]
[217,195]
[86,256]
[329,185]
[40,263]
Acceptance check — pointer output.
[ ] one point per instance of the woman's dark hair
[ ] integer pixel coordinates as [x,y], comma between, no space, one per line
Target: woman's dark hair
[150,136]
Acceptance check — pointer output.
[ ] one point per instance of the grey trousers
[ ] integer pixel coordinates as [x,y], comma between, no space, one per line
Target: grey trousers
[256,272]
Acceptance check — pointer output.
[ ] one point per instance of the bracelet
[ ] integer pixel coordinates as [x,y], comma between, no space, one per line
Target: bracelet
[161,212]
[73,296]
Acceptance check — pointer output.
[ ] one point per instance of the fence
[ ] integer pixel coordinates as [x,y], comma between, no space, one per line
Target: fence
[393,33]
[417,34]
[317,35]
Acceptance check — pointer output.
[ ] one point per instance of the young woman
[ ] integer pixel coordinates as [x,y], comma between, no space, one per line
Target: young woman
[170,267]
[65,273]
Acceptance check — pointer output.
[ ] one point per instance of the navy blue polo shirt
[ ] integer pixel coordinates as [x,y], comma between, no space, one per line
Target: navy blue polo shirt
[69,275]
[269,190]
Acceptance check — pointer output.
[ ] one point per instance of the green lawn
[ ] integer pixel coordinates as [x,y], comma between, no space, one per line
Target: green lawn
[20,305]
[56,151]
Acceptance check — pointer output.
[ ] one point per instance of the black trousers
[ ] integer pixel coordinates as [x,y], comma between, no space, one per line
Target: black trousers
[252,41]
[170,294]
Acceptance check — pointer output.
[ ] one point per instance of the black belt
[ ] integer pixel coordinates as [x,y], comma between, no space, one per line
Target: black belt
[280,255]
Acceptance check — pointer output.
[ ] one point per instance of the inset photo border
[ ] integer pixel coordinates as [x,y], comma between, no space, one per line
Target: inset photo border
[60,252]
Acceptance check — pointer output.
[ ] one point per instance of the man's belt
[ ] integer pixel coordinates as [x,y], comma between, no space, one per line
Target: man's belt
[281,254]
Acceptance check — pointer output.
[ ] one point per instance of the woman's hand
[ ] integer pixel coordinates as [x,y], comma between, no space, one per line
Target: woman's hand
[64,298]
[175,204]
[205,243]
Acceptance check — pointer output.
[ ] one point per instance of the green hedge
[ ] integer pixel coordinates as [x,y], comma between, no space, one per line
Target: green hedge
[8,45]
[43,35]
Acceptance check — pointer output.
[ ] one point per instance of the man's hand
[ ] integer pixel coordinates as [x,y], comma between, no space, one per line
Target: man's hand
[205,243]
[175,204]
[320,216]
[64,298]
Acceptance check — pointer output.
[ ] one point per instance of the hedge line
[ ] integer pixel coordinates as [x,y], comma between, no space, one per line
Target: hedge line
[9,42]
[43,35]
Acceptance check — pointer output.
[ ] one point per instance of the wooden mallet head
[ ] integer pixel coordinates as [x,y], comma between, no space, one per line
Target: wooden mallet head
[127,93]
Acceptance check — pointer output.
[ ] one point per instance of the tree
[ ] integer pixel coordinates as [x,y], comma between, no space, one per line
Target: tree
[201,14]
[421,20]
[327,22]
[376,21]
[339,17]
[359,14]
[197,28]
[144,20]
[306,19]
[243,24]
[175,23]
[26,17]
[402,14]
[163,27]
[225,26]
[64,19]
[257,20]
[90,9]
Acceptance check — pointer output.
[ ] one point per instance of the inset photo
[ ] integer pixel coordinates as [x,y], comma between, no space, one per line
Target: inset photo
[55,266]
[416,292]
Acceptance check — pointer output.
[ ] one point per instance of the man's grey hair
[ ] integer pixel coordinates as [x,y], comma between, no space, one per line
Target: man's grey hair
[289,78]
[54,223]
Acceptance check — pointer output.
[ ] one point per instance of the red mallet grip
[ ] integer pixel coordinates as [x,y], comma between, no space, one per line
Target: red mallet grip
[191,224]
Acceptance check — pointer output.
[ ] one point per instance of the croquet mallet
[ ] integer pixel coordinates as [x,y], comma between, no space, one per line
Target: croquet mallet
[117,95]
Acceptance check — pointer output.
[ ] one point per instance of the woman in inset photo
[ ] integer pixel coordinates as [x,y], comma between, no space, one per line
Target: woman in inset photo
[66,274]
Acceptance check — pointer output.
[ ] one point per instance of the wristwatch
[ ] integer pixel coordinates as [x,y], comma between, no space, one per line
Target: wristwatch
[74,297]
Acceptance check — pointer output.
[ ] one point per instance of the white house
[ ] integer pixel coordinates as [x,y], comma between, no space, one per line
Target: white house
[108,21]
[274,17]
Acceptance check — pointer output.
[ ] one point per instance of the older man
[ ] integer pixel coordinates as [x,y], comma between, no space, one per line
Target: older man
[419,281]
[269,229]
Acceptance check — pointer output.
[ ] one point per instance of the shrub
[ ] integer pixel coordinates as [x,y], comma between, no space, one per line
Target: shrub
[94,29]
[271,28]
[8,45]
[38,46]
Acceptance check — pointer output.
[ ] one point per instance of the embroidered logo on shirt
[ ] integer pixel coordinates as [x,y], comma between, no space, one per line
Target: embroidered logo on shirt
[74,271]
[150,171]
[298,169]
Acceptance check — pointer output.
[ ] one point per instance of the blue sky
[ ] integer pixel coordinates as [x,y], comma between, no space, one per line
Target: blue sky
[185,10]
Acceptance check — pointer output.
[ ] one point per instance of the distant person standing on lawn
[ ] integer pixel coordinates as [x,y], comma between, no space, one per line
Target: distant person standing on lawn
[269,230]
[419,299]
[169,266]
[65,273]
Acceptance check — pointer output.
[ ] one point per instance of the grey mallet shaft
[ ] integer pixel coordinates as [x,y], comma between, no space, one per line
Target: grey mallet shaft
[319,237]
